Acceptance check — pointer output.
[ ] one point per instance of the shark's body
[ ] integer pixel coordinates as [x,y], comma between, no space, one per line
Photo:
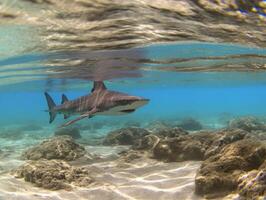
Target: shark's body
[100,101]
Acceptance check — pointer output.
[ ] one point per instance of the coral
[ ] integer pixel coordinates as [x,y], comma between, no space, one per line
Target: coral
[125,136]
[247,124]
[147,142]
[223,138]
[184,147]
[252,185]
[219,173]
[169,132]
[197,146]
[53,174]
[60,147]
[226,154]
[260,135]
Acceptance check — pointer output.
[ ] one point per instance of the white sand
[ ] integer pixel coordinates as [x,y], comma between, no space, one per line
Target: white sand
[141,179]
[150,180]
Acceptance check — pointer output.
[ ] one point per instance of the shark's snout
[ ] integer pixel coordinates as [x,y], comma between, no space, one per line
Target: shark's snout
[143,101]
[131,103]
[132,99]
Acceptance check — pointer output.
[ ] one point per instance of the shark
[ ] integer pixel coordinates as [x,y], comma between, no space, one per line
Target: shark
[100,101]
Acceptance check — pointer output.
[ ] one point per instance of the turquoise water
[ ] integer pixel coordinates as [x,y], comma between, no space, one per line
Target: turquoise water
[171,75]
[199,60]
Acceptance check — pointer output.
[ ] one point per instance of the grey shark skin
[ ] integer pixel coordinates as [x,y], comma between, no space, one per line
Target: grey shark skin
[99,102]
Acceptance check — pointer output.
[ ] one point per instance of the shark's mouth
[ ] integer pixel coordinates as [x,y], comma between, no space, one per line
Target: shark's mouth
[127,111]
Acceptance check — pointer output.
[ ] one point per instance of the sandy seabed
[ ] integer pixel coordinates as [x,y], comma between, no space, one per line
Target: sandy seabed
[150,180]
[141,179]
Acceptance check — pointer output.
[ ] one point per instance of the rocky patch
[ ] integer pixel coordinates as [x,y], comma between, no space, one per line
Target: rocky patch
[223,138]
[247,124]
[252,185]
[184,147]
[61,147]
[53,174]
[148,142]
[125,136]
[169,132]
[218,175]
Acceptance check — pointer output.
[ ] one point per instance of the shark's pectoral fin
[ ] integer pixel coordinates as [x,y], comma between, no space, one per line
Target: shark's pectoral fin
[77,119]
[85,115]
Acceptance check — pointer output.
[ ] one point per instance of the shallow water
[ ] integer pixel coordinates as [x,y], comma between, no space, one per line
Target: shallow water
[208,84]
[199,60]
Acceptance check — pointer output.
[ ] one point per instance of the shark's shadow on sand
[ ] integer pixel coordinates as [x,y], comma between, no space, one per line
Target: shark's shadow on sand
[99,102]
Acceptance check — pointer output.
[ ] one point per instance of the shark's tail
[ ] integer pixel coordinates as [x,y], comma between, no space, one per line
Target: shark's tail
[51,106]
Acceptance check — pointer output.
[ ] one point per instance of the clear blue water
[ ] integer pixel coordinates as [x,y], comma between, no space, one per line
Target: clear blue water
[61,47]
[211,96]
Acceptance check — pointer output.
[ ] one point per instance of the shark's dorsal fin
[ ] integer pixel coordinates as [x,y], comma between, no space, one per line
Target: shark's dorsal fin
[64,99]
[98,85]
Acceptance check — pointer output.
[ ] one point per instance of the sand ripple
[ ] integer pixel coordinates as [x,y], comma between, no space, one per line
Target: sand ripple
[147,179]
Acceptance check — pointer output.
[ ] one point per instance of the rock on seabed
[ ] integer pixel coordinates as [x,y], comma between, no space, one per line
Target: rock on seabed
[61,147]
[252,185]
[218,175]
[247,124]
[228,155]
[196,146]
[125,136]
[53,174]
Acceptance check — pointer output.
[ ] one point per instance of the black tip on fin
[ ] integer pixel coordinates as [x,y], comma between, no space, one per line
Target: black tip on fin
[98,85]
[52,117]
[66,116]
[64,98]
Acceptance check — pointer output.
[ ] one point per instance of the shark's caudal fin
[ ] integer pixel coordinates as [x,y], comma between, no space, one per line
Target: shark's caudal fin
[51,106]
[98,85]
